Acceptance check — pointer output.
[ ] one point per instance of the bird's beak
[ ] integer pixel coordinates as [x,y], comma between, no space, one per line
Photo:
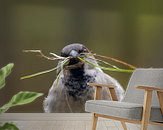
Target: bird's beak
[74,61]
[74,53]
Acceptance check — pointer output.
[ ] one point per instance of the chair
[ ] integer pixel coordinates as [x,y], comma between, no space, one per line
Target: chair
[142,103]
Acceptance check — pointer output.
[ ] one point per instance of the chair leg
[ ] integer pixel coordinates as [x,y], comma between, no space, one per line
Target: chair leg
[94,121]
[146,109]
[144,126]
[124,125]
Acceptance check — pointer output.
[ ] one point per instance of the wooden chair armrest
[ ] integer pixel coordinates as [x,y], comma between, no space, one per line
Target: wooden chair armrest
[148,99]
[147,88]
[110,86]
[98,90]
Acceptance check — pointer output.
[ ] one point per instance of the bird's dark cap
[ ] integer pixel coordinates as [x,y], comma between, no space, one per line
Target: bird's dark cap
[79,48]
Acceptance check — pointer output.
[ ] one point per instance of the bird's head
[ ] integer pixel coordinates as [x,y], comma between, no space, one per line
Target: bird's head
[74,51]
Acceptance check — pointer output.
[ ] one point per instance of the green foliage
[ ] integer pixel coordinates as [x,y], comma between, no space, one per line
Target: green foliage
[4,72]
[21,98]
[8,126]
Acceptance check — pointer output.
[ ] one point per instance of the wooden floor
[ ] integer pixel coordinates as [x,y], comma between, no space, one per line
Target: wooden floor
[58,121]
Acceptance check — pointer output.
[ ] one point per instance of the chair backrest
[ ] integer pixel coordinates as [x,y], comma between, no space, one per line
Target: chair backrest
[144,76]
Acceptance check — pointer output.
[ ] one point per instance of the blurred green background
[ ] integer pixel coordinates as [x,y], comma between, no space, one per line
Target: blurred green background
[128,30]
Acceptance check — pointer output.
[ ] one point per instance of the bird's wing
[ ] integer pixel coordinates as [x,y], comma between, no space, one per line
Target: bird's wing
[103,78]
[56,92]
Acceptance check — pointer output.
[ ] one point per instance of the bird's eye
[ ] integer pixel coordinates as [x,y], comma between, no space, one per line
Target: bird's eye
[80,51]
[85,50]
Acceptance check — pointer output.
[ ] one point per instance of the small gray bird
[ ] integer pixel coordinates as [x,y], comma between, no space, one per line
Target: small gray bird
[70,91]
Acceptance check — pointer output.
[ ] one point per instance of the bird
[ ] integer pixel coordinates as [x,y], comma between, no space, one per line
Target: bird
[70,91]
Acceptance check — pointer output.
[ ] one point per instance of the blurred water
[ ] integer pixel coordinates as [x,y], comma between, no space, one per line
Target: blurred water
[130,31]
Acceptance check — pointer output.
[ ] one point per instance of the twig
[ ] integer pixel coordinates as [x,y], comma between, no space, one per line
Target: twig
[116,60]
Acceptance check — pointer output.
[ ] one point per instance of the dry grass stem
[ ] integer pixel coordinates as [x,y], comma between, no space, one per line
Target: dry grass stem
[99,60]
[55,57]
[82,58]
[59,57]
[116,60]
